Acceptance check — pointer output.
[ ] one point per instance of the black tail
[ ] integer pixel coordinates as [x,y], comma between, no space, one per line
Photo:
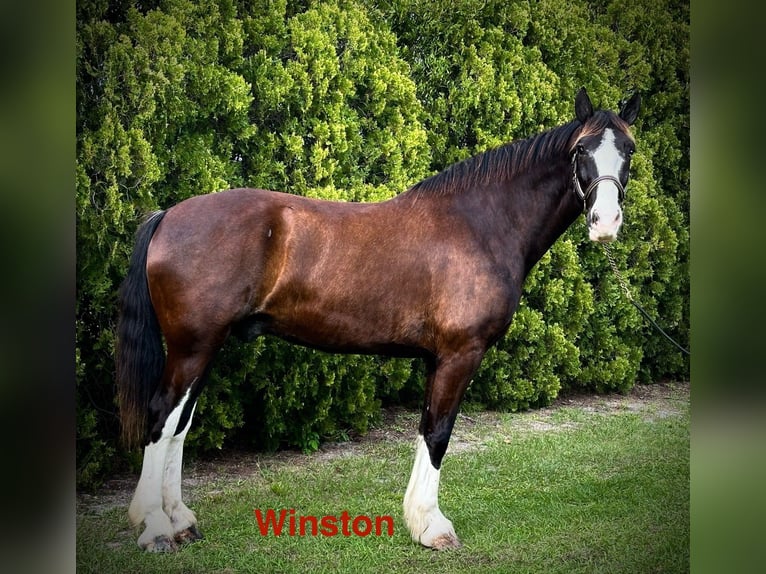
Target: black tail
[140,357]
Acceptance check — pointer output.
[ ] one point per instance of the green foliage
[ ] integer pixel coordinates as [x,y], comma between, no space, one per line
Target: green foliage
[355,101]
[336,108]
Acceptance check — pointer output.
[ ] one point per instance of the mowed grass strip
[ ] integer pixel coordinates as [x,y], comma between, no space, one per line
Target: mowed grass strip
[575,490]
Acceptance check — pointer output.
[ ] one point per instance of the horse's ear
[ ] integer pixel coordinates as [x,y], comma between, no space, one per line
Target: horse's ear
[629,111]
[583,107]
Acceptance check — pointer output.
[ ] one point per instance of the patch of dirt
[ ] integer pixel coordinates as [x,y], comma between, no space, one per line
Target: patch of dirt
[471,432]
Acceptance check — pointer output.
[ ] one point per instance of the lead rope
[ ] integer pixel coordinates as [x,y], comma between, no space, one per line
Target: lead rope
[626,289]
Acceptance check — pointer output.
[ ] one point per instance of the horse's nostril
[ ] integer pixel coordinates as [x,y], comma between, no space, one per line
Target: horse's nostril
[594,218]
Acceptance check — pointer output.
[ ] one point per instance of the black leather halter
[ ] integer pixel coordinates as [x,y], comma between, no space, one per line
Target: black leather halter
[584,195]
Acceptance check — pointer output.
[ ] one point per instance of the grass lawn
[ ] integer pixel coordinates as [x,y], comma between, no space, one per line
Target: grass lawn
[591,484]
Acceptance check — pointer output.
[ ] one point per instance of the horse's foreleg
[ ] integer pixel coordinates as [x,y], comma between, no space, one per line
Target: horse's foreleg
[425,520]
[445,388]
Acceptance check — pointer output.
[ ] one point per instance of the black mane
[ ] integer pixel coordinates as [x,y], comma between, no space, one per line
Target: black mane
[504,162]
[501,163]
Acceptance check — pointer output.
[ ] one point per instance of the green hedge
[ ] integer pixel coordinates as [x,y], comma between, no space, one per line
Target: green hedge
[356,101]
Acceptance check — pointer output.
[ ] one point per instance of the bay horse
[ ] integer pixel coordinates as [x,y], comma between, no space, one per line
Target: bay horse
[435,273]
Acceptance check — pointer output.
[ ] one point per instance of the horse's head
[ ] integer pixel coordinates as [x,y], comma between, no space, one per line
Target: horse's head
[601,163]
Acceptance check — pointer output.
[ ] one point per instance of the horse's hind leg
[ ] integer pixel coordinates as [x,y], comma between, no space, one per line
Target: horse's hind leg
[146,506]
[183,520]
[157,500]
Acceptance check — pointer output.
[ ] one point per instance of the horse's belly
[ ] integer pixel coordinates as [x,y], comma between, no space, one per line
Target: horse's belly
[365,325]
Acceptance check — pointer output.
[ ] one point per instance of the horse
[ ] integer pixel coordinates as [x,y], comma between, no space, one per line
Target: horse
[434,273]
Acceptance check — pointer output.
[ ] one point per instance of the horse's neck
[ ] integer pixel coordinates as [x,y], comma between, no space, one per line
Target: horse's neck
[542,211]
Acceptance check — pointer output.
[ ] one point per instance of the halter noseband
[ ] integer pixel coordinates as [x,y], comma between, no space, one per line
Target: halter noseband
[584,195]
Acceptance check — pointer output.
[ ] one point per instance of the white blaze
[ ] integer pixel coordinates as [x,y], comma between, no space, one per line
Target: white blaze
[606,213]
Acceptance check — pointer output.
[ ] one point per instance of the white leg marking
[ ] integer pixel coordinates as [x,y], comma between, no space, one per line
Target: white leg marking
[607,208]
[426,522]
[146,505]
[180,515]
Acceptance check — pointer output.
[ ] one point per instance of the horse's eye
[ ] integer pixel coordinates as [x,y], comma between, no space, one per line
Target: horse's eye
[580,149]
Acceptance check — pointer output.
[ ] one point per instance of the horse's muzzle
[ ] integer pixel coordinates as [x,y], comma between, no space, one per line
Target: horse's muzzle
[604,230]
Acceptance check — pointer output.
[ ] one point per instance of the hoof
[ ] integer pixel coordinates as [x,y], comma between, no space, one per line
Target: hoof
[188,535]
[445,542]
[161,544]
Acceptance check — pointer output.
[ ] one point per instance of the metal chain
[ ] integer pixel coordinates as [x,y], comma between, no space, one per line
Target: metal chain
[629,295]
[620,278]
